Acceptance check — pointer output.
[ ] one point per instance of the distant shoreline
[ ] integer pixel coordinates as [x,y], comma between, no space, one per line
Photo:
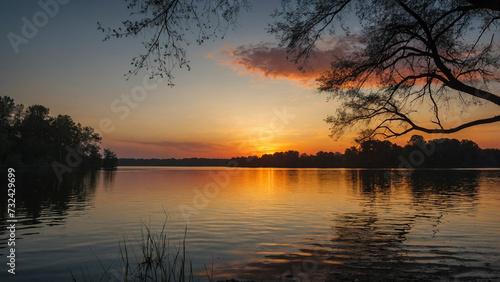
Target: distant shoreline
[417,153]
[173,162]
[330,168]
[191,162]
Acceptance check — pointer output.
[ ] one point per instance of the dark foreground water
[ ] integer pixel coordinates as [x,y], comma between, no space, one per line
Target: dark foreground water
[262,224]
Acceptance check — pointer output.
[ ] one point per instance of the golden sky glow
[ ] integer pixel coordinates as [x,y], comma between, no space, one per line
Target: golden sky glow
[241,97]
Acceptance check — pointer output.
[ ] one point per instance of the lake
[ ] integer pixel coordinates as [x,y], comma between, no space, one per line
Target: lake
[261,223]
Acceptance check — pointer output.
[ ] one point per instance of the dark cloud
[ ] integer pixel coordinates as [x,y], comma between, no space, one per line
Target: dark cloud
[267,60]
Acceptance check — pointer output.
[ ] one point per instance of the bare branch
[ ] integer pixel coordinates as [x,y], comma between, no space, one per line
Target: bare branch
[169,22]
[416,55]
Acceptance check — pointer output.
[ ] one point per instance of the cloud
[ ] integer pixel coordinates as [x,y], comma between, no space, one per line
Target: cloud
[268,60]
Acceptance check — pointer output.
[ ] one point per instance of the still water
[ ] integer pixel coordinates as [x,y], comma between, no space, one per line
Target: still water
[262,224]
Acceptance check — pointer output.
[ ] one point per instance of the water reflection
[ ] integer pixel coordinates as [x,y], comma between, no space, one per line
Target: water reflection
[109,178]
[392,237]
[41,200]
[444,190]
[325,224]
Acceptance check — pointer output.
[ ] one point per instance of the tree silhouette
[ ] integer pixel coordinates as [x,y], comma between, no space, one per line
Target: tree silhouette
[110,160]
[437,153]
[411,54]
[170,23]
[33,138]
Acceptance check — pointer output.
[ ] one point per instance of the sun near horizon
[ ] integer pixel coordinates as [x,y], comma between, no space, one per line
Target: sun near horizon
[240,98]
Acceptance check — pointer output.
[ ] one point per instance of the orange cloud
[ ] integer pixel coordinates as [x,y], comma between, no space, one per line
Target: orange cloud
[267,60]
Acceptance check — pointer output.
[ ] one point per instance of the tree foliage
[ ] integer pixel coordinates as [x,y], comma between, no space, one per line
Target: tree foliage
[110,161]
[417,153]
[169,25]
[414,56]
[31,137]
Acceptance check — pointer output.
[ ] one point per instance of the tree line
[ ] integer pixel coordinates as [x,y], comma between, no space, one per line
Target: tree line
[417,153]
[30,137]
[173,162]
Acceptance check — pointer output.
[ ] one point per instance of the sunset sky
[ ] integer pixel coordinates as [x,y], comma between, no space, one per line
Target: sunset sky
[241,96]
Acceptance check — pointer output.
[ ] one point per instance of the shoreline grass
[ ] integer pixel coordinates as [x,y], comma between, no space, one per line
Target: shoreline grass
[151,257]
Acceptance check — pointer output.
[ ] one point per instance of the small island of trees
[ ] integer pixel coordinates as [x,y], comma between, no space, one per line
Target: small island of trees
[32,138]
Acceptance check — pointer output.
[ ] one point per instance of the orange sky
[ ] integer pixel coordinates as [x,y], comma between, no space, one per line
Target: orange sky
[241,96]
